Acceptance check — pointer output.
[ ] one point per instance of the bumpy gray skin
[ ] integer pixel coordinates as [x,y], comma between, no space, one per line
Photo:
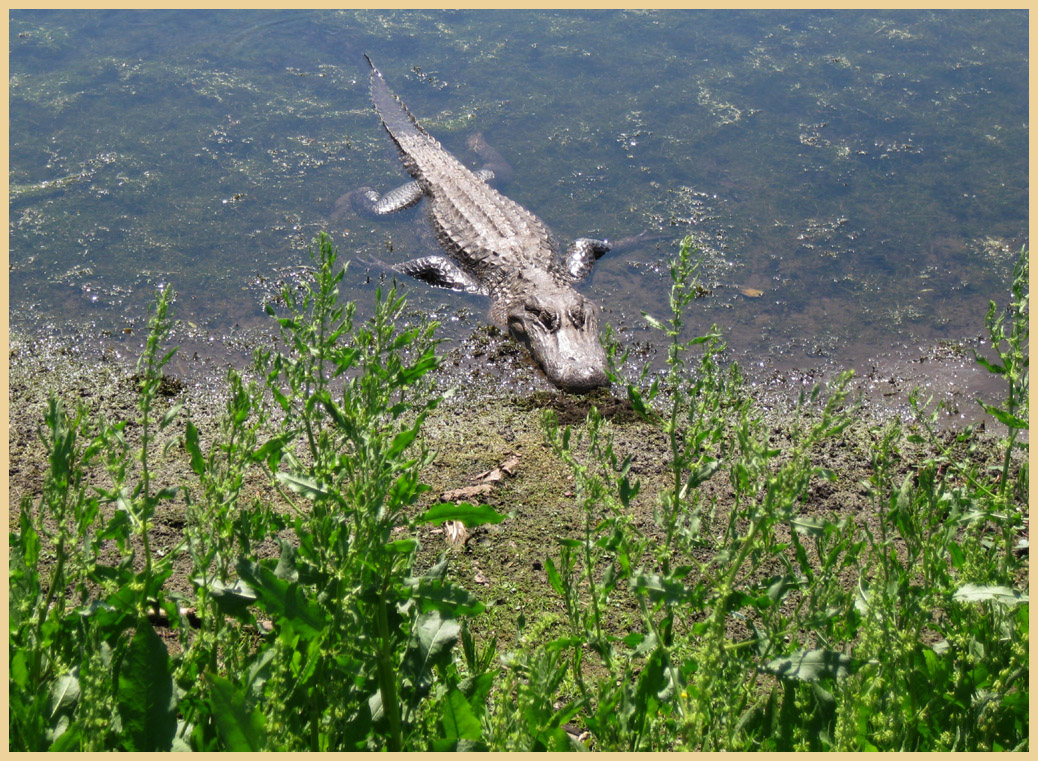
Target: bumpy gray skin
[496,247]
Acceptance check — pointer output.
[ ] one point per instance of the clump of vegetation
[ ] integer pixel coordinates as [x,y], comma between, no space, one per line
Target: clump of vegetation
[769,626]
[758,623]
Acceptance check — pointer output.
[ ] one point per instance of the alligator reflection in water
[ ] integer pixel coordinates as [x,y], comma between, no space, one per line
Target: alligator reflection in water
[495,247]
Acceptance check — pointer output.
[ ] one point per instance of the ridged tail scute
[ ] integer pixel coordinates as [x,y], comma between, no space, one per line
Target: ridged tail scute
[398,121]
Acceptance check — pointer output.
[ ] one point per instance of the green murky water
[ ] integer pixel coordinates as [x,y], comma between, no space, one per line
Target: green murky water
[866,171]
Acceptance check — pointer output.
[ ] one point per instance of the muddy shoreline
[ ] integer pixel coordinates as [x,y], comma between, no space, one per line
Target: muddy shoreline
[493,417]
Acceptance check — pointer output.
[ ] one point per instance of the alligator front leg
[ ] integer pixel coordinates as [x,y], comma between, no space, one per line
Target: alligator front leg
[442,273]
[581,255]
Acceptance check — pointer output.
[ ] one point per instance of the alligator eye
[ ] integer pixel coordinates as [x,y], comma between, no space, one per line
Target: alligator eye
[547,317]
[577,316]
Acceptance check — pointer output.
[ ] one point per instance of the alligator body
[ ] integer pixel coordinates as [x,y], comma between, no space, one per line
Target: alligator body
[495,247]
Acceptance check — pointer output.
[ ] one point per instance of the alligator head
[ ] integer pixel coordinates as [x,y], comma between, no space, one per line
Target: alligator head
[560,328]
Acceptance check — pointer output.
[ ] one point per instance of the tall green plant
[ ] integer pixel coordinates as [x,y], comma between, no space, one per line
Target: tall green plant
[752,637]
[358,635]
[1009,331]
[90,673]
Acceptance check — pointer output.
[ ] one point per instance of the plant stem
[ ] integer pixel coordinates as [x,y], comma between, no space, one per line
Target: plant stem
[387,680]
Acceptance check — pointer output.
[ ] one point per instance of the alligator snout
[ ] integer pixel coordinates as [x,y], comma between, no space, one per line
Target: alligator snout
[580,379]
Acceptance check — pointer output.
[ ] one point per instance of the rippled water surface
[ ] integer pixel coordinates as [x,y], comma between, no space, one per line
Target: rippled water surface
[866,172]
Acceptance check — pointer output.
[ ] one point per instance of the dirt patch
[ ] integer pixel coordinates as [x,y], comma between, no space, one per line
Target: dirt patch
[571,409]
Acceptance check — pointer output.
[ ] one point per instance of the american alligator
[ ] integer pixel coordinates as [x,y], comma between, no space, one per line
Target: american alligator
[497,248]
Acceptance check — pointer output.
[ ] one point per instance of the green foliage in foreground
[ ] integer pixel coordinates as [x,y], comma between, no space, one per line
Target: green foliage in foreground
[762,626]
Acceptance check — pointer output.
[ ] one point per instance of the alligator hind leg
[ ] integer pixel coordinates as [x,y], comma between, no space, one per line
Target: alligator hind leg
[581,256]
[367,201]
[442,273]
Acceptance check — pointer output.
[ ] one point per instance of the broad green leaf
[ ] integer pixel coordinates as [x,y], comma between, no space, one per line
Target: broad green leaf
[232,599]
[66,736]
[115,613]
[468,514]
[19,669]
[993,367]
[25,545]
[553,577]
[737,599]
[563,643]
[810,526]
[779,586]
[168,356]
[334,411]
[193,448]
[976,593]
[646,645]
[438,571]
[553,739]
[653,322]
[118,527]
[1007,419]
[145,694]
[904,496]
[64,694]
[861,597]
[459,722]
[435,635]
[741,476]
[634,396]
[280,398]
[811,665]
[444,596]
[283,600]
[240,729]
[430,643]
[477,689]
[403,546]
[655,686]
[659,588]
[271,447]
[628,491]
[23,579]
[167,493]
[700,475]
[286,569]
[378,715]
[403,439]
[301,484]
[171,413]
[256,677]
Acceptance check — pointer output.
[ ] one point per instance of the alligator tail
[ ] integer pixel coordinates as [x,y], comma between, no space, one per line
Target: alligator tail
[398,121]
